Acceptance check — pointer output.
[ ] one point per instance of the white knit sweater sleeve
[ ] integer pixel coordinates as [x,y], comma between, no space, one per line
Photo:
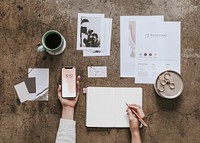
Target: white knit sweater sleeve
[66,131]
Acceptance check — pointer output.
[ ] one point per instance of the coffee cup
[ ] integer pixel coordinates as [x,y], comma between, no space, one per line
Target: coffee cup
[52,42]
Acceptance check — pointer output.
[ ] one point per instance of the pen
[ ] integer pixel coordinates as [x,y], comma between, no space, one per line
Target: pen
[138,116]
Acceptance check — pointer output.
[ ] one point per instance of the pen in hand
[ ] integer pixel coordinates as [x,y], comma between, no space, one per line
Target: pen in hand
[138,116]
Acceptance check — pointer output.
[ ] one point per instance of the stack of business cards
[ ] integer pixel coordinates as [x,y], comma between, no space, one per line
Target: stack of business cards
[94,34]
[35,87]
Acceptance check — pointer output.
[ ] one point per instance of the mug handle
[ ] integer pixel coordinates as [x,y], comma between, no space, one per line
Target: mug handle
[41,48]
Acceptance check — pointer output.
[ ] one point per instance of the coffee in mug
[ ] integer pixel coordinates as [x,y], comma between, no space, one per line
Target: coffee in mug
[52,42]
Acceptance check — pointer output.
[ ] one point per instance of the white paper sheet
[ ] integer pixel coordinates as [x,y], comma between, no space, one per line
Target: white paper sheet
[42,83]
[157,49]
[127,42]
[107,41]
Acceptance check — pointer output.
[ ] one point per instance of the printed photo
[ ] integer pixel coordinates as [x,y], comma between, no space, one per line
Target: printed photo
[106,41]
[90,30]
[132,34]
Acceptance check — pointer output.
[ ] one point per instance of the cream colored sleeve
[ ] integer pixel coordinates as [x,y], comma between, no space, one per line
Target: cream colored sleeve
[66,131]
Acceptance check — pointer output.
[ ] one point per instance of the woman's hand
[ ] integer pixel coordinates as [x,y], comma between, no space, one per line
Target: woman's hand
[134,122]
[68,105]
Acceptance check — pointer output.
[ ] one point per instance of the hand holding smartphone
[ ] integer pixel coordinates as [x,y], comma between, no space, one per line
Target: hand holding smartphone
[69,82]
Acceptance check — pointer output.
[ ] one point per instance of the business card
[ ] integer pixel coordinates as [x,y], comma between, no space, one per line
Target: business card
[97,71]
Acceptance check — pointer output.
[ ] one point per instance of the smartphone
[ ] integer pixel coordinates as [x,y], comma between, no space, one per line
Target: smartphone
[69,82]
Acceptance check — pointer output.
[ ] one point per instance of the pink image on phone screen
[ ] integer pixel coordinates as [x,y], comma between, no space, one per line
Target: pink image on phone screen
[69,82]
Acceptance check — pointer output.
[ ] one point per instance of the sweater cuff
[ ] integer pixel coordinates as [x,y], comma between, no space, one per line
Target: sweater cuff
[67,124]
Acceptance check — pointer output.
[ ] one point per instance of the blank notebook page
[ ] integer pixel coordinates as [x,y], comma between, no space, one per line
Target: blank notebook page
[106,106]
[99,108]
[123,96]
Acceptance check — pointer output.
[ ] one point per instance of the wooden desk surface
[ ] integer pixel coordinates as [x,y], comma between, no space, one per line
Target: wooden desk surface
[22,24]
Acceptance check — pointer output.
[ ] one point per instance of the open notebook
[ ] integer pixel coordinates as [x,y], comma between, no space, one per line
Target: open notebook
[106,106]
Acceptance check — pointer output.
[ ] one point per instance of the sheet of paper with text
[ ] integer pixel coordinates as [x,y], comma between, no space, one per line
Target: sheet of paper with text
[157,49]
[128,43]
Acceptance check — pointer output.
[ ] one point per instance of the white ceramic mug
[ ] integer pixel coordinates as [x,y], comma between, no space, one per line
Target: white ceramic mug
[52,42]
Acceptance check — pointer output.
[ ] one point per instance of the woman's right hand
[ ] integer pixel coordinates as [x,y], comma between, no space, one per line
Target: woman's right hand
[134,122]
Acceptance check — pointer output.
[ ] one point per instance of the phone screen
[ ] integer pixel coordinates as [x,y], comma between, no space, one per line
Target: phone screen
[69,82]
